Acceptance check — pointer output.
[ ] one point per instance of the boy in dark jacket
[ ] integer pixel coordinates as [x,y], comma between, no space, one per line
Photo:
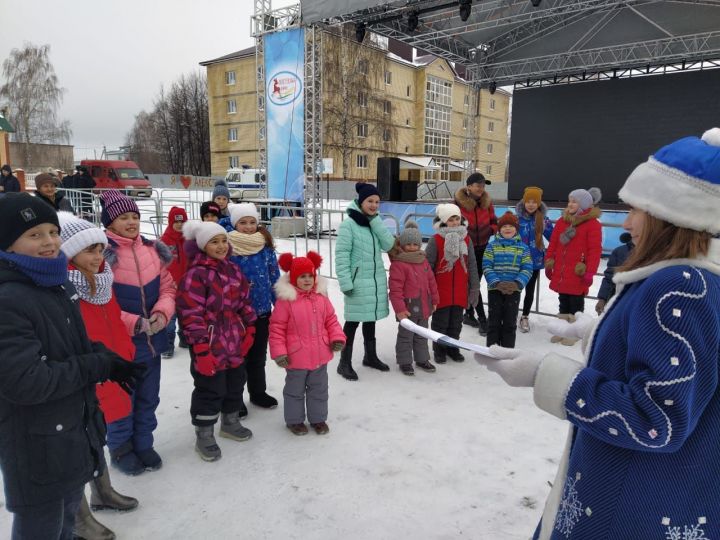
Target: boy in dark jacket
[52,432]
[617,258]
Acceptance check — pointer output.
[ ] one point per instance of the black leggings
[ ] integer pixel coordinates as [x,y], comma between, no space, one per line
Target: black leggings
[349,328]
[530,293]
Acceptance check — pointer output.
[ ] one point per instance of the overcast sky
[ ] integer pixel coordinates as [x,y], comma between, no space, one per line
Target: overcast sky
[112,56]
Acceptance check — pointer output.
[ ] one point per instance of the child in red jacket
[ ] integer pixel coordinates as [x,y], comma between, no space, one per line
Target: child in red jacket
[414,296]
[216,316]
[304,333]
[573,256]
[83,245]
[173,239]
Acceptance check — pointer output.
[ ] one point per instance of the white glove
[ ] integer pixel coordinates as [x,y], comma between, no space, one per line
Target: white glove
[516,366]
[575,330]
[157,323]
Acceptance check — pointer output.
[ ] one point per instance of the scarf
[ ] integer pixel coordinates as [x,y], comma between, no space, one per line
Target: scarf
[43,272]
[103,285]
[569,233]
[412,257]
[246,244]
[455,247]
[359,218]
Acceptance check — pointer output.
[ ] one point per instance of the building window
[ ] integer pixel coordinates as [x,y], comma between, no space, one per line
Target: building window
[407,121]
[437,143]
[388,77]
[407,91]
[387,107]
[489,148]
[362,161]
[231,106]
[491,126]
[234,162]
[362,130]
[362,99]
[437,117]
[229,77]
[488,169]
[438,91]
[492,104]
[407,149]
[363,66]
[387,135]
[232,134]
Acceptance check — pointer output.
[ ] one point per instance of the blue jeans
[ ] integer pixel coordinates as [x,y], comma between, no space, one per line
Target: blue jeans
[48,521]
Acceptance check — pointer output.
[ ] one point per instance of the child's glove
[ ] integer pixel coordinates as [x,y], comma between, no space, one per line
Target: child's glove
[157,322]
[474,297]
[143,326]
[125,373]
[247,341]
[515,366]
[282,361]
[337,346]
[205,362]
[580,269]
[600,306]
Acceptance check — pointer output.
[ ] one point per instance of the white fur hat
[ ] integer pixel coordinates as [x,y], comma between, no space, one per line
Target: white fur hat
[78,234]
[443,212]
[239,211]
[202,232]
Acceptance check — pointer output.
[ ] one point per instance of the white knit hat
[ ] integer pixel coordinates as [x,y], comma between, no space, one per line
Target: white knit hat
[239,211]
[202,231]
[78,234]
[443,212]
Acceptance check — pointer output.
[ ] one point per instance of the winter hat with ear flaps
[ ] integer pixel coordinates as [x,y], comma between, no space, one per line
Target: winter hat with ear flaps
[202,232]
[297,266]
[680,183]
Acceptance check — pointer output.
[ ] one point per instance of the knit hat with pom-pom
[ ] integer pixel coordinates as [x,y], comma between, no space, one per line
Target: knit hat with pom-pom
[680,183]
[586,198]
[411,234]
[297,266]
[220,189]
[202,232]
[508,218]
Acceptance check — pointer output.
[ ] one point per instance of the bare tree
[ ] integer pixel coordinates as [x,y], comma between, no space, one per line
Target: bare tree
[33,94]
[175,135]
[356,111]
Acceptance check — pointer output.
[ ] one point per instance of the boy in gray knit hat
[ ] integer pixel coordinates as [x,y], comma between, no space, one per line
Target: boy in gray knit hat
[413,295]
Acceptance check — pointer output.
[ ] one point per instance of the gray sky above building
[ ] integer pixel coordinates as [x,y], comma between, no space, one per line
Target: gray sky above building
[112,57]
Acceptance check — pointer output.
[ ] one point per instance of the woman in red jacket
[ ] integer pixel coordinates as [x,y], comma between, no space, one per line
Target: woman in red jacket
[573,256]
[83,245]
[173,239]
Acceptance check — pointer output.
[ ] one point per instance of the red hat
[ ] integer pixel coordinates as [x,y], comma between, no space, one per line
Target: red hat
[177,214]
[297,266]
[508,218]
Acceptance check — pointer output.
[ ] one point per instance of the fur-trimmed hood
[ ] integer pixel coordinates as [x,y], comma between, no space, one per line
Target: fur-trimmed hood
[465,201]
[521,212]
[578,218]
[285,291]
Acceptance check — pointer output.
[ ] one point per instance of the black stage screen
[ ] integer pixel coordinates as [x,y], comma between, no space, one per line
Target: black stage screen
[594,134]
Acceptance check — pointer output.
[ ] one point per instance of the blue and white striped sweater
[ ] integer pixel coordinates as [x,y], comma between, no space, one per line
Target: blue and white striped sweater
[507,259]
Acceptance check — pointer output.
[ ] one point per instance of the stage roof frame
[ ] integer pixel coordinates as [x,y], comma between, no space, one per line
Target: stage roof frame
[512,41]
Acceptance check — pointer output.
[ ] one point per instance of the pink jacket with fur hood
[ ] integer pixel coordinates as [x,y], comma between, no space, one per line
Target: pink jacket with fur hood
[303,325]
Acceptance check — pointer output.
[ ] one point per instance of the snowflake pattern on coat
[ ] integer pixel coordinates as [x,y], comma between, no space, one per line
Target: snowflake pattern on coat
[694,532]
[570,509]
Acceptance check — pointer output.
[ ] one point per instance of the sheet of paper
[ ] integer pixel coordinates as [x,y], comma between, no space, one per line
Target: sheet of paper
[442,339]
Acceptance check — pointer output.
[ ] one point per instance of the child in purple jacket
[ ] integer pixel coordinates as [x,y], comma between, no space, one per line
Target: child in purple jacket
[216,317]
[413,295]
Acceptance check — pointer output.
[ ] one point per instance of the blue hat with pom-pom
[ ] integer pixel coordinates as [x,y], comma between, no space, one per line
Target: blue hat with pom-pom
[220,189]
[680,184]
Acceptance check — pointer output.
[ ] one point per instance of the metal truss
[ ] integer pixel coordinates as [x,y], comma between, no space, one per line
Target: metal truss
[471,116]
[313,130]
[262,8]
[267,19]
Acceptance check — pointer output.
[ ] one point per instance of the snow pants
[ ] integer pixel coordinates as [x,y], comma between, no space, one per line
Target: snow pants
[480,308]
[256,358]
[305,386]
[571,303]
[409,345]
[137,428]
[221,393]
[502,318]
[447,320]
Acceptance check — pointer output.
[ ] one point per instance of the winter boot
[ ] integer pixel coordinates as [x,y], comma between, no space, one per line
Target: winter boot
[568,341]
[298,429]
[427,367]
[126,460]
[566,317]
[482,324]
[524,324]
[231,428]
[264,401]
[371,359]
[150,459]
[469,319]
[168,354]
[407,369]
[455,355]
[104,497]
[205,445]
[321,428]
[345,365]
[87,527]
[439,353]
[243,410]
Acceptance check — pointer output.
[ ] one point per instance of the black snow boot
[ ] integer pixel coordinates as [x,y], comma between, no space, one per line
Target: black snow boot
[345,365]
[469,319]
[371,359]
[482,323]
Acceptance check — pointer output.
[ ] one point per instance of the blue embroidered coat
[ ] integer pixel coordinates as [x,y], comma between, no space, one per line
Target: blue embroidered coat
[643,458]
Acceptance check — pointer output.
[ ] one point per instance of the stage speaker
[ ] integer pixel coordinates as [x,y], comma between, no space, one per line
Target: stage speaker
[388,178]
[408,191]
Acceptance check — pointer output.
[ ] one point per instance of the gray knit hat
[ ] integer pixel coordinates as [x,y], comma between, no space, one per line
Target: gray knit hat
[220,190]
[78,234]
[411,234]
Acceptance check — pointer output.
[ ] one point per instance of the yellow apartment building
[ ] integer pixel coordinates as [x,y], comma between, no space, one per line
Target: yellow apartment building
[376,103]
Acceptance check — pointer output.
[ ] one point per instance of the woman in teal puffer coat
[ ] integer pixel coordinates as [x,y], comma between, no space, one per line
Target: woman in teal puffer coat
[361,274]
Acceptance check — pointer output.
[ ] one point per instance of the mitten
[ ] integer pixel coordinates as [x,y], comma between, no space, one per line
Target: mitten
[516,366]
[282,361]
[157,322]
[337,346]
[580,269]
[575,330]
[125,373]
[143,326]
[247,341]
[587,279]
[474,297]
[205,362]
[600,306]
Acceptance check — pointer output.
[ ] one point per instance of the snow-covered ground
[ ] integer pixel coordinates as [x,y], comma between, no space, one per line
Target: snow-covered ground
[454,454]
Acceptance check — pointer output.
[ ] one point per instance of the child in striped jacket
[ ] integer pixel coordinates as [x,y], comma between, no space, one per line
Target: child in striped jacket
[507,267]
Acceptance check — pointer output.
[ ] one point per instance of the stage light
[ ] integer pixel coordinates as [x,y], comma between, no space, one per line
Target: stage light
[360,32]
[492,87]
[465,8]
[535,3]
[412,22]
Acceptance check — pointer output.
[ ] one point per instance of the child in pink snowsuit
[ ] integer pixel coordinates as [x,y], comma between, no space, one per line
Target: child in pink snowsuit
[304,333]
